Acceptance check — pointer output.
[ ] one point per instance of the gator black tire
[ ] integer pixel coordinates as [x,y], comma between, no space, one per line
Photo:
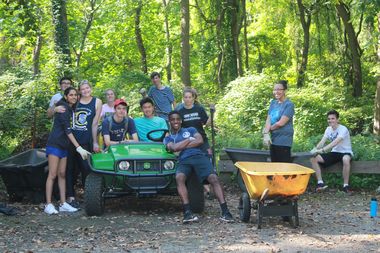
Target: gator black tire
[244,207]
[241,182]
[93,195]
[196,195]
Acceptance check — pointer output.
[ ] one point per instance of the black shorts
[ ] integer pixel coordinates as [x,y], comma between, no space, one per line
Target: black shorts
[280,154]
[332,158]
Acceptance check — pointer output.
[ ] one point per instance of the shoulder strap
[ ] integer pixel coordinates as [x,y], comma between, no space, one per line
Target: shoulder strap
[109,118]
[125,128]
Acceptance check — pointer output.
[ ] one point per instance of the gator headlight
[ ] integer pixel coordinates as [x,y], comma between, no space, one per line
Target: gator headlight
[168,165]
[124,165]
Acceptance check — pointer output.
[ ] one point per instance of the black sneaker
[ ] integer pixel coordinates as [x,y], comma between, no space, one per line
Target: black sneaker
[227,217]
[347,189]
[321,187]
[74,204]
[189,217]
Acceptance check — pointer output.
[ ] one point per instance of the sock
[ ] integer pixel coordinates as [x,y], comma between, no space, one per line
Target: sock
[186,207]
[224,207]
[344,185]
[320,181]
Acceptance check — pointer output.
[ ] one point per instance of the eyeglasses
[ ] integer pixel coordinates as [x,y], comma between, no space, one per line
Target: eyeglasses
[65,82]
[278,89]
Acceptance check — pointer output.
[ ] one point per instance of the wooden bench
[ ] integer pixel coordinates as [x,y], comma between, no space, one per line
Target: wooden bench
[226,165]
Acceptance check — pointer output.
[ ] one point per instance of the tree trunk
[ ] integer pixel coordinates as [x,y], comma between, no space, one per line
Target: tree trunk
[185,43]
[354,47]
[139,40]
[376,120]
[245,36]
[378,41]
[36,55]
[90,20]
[169,47]
[61,35]
[235,31]
[305,17]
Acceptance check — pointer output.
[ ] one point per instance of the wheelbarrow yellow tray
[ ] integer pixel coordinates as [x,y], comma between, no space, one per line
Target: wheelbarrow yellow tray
[281,179]
[275,187]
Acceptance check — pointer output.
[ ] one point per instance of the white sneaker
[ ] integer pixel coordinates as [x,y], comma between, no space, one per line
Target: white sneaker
[67,208]
[50,209]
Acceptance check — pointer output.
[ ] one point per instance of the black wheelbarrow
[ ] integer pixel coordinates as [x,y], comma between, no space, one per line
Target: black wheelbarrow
[24,175]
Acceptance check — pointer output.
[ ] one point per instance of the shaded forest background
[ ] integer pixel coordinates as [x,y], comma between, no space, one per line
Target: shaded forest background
[231,51]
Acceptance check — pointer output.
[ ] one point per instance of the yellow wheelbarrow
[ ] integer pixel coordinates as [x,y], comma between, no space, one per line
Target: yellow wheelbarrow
[274,187]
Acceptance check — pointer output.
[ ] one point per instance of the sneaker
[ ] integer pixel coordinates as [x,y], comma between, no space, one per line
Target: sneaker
[347,189]
[50,209]
[227,217]
[189,217]
[321,187]
[67,208]
[74,204]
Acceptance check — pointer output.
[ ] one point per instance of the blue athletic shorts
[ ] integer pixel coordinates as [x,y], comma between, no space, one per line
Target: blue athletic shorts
[56,152]
[201,165]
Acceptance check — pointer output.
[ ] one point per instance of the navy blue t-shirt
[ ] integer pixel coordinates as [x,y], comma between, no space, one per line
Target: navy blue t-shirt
[183,134]
[84,116]
[61,128]
[117,130]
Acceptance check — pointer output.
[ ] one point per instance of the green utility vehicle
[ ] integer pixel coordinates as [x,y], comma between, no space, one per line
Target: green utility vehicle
[144,169]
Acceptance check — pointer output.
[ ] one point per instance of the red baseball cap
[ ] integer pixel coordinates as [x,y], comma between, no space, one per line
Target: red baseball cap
[120,101]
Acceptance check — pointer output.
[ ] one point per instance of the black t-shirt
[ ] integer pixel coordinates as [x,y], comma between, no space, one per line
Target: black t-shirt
[195,117]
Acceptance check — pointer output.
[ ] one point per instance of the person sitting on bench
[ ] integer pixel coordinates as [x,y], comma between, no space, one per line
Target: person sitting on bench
[341,150]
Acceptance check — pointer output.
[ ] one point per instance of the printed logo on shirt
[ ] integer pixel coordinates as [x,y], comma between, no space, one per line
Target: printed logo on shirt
[186,135]
[80,122]
[332,136]
[191,116]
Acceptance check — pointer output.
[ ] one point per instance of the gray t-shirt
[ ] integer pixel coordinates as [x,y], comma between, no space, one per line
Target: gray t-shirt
[284,135]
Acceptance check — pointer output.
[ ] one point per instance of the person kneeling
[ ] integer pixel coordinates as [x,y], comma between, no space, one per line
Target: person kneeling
[187,142]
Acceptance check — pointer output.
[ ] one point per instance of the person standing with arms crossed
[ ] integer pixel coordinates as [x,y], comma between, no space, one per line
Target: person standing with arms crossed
[278,130]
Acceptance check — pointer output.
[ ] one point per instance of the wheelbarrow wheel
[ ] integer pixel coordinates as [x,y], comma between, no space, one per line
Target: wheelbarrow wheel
[244,207]
[240,182]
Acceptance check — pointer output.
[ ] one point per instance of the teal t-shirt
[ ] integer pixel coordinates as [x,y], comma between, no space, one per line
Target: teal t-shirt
[145,125]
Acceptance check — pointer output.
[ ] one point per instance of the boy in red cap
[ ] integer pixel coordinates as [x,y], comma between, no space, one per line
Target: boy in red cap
[117,127]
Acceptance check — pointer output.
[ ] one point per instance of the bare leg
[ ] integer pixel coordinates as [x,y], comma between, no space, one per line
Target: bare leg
[62,179]
[53,168]
[214,182]
[316,167]
[346,168]
[181,188]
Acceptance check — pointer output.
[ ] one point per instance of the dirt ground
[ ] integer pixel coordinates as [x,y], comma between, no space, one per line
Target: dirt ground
[329,222]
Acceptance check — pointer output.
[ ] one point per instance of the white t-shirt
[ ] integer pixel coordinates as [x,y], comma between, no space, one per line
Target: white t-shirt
[345,145]
[55,99]
[106,111]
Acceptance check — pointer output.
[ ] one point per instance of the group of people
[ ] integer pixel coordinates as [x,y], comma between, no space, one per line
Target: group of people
[335,145]
[75,128]
[76,122]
